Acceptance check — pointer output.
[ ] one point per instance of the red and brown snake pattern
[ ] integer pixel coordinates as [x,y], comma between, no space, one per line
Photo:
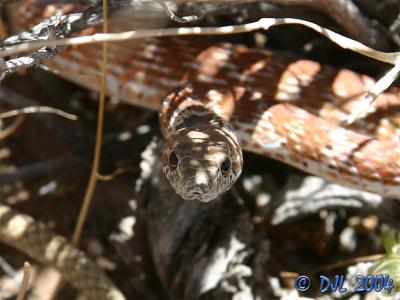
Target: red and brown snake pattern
[278,105]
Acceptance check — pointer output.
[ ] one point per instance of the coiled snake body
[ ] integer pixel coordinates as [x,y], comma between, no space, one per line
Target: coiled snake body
[246,85]
[256,92]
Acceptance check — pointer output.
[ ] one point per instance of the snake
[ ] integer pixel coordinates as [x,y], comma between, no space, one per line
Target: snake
[276,106]
[202,157]
[215,99]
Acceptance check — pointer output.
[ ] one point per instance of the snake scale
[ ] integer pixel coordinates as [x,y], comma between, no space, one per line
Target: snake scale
[276,104]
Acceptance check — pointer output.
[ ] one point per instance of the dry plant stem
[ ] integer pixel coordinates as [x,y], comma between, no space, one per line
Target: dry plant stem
[69,137]
[380,86]
[99,139]
[12,128]
[346,14]
[25,281]
[38,109]
[350,262]
[111,176]
[3,33]
[173,17]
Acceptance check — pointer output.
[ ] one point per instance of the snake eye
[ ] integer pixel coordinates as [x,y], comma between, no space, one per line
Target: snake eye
[173,159]
[225,167]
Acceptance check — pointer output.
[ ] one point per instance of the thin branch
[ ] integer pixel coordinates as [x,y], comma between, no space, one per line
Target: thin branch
[3,31]
[70,138]
[111,176]
[12,128]
[38,109]
[347,15]
[380,86]
[173,17]
[99,139]
[348,262]
[393,30]
[25,281]
[8,269]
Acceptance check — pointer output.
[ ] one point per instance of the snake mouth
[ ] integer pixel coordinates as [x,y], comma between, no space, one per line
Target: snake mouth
[199,192]
[198,197]
[195,195]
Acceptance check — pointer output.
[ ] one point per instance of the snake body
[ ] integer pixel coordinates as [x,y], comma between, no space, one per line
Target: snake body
[38,241]
[257,90]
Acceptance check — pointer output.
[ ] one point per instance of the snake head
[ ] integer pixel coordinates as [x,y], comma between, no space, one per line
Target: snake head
[202,163]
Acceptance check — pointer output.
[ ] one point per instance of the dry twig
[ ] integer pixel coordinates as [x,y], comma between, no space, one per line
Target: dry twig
[38,109]
[346,14]
[380,86]
[173,17]
[99,139]
[25,281]
[12,128]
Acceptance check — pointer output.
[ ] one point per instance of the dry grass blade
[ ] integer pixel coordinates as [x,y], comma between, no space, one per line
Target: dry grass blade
[12,128]
[380,86]
[25,281]
[185,19]
[110,176]
[38,109]
[349,262]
